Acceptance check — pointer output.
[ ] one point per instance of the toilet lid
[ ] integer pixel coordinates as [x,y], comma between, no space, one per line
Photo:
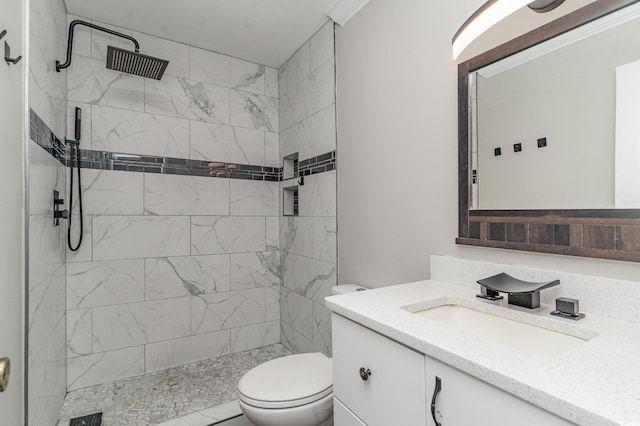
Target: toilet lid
[293,380]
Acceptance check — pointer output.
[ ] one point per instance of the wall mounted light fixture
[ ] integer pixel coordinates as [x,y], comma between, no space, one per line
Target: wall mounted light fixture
[492,12]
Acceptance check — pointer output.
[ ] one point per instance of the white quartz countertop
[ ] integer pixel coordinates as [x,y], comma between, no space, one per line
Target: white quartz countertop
[597,383]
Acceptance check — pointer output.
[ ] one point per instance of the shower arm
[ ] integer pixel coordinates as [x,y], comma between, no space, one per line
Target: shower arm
[95,27]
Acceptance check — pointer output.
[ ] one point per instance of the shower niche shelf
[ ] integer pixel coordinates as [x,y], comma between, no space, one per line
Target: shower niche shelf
[290,166]
[290,201]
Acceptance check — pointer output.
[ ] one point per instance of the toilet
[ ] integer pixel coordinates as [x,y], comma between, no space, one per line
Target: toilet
[296,390]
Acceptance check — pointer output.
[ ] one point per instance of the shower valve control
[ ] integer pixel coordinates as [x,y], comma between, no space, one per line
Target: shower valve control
[57,213]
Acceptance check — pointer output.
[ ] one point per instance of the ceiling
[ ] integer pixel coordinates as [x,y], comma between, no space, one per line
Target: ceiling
[267,32]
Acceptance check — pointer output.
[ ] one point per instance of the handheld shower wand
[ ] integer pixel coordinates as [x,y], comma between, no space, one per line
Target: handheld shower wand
[75,153]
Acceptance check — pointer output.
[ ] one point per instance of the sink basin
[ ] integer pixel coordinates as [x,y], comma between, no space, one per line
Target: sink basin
[536,336]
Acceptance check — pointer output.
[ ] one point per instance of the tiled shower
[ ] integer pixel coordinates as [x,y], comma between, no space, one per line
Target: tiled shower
[187,253]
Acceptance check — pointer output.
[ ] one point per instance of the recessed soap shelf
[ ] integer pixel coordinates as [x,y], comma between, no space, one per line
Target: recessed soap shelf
[290,166]
[290,202]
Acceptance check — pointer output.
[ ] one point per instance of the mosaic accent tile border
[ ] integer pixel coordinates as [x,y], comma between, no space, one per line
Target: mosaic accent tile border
[104,160]
[41,134]
[318,164]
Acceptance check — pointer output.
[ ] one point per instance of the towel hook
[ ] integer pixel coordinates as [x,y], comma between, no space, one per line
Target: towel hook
[3,33]
[7,55]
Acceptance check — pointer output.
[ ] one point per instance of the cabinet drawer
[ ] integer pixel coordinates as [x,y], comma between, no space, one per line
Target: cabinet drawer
[343,417]
[482,403]
[394,393]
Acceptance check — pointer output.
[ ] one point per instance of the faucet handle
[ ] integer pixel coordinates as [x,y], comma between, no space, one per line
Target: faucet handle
[567,308]
[488,294]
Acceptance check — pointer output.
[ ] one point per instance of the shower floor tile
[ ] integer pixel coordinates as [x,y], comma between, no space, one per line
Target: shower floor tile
[165,395]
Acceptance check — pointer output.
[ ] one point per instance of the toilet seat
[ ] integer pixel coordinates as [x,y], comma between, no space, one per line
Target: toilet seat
[288,382]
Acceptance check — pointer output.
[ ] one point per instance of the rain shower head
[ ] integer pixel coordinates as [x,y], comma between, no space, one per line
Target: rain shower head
[120,59]
[135,63]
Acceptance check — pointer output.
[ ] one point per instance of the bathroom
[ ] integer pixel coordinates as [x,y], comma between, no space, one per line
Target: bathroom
[306,146]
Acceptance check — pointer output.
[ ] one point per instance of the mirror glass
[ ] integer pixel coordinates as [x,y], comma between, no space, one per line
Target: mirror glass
[557,126]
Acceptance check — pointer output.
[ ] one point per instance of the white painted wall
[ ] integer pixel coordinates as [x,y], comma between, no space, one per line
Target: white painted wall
[397,133]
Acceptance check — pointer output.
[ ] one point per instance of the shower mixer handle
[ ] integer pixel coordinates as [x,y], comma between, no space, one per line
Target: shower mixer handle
[57,213]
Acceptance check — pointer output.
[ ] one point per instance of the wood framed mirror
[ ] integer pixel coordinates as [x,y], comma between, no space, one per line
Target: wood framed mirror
[605,226]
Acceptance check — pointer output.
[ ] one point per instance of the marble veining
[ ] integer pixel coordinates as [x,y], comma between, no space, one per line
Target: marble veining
[122,237]
[165,395]
[296,311]
[46,322]
[91,284]
[321,46]
[109,192]
[318,195]
[307,276]
[322,327]
[194,100]
[172,195]
[227,71]
[168,277]
[296,342]
[88,81]
[294,70]
[272,232]
[79,329]
[210,141]
[119,130]
[250,270]
[104,367]
[227,234]
[308,242]
[128,325]
[254,111]
[186,350]
[255,336]
[220,311]
[252,198]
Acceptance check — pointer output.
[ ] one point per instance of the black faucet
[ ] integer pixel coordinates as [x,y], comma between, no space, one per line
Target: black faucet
[521,293]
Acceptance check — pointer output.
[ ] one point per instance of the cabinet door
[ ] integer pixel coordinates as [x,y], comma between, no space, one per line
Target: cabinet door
[394,393]
[343,417]
[465,400]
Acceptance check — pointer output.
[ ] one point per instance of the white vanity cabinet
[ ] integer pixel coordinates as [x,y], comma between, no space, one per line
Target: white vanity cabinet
[465,400]
[391,389]
[379,382]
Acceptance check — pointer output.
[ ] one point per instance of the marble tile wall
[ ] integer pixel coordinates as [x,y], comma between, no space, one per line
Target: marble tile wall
[308,241]
[173,269]
[46,365]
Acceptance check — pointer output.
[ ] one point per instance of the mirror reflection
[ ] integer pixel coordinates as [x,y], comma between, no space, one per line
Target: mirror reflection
[557,126]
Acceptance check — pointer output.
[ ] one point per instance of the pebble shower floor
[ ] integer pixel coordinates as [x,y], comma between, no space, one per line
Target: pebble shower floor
[155,398]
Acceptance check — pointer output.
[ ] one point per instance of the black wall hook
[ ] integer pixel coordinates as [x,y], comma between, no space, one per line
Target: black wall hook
[7,55]
[3,33]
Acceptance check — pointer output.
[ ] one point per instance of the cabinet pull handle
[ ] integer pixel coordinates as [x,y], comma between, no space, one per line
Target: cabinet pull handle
[365,373]
[436,391]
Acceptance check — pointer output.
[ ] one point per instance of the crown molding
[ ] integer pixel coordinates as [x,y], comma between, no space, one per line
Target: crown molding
[341,11]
